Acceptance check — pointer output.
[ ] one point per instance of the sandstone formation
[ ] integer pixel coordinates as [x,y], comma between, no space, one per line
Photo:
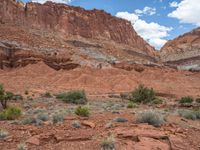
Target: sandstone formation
[63,36]
[183,51]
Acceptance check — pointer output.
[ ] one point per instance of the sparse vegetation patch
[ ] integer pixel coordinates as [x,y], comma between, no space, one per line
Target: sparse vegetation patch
[198,100]
[121,120]
[108,143]
[57,117]
[43,116]
[131,105]
[82,111]
[190,114]
[75,97]
[151,117]
[29,120]
[157,101]
[143,94]
[47,95]
[186,100]
[10,113]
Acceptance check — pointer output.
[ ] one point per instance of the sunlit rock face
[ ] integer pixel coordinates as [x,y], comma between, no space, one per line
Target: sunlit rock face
[183,51]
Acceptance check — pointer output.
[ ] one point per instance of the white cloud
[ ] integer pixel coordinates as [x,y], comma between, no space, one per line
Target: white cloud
[146,10]
[128,16]
[187,11]
[152,32]
[56,1]
[173,4]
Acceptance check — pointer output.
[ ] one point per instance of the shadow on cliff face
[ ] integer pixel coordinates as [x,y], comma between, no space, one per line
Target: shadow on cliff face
[14,56]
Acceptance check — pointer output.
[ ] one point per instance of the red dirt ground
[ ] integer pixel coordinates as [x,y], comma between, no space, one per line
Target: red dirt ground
[38,78]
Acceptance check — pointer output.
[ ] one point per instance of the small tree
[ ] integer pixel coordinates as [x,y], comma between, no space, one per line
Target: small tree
[5,96]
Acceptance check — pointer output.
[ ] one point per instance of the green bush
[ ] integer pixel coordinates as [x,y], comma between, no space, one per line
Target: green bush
[82,111]
[157,101]
[143,94]
[186,100]
[57,117]
[198,100]
[47,95]
[131,105]
[108,143]
[10,113]
[150,117]
[3,134]
[75,97]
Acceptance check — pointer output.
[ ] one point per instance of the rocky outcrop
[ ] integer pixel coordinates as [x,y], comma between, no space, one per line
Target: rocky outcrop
[66,22]
[183,51]
[12,55]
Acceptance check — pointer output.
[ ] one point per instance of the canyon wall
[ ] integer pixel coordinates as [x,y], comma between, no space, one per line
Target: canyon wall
[35,27]
[183,51]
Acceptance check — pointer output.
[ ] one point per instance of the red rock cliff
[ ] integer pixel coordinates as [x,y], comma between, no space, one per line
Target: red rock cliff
[69,20]
[183,51]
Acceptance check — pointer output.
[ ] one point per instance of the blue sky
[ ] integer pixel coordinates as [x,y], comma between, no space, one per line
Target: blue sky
[155,20]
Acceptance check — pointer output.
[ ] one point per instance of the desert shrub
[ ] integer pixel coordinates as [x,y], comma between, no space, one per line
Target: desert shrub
[151,117]
[5,96]
[121,120]
[76,124]
[197,113]
[38,110]
[143,94]
[75,97]
[29,121]
[187,99]
[131,105]
[108,143]
[157,101]
[198,100]
[21,146]
[39,122]
[3,134]
[10,113]
[47,95]
[57,117]
[82,111]
[43,116]
[188,114]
